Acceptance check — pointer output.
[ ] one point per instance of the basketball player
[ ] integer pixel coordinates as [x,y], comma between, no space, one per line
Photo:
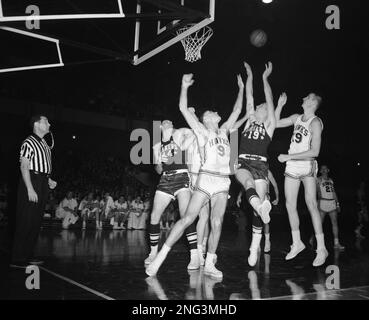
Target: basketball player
[213,181]
[302,166]
[328,202]
[196,154]
[253,166]
[170,159]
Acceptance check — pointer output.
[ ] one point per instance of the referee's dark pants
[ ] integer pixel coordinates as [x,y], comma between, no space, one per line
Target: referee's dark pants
[29,217]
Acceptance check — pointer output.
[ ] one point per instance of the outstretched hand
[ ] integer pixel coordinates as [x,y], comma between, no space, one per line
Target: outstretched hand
[268,70]
[248,68]
[282,99]
[187,80]
[240,83]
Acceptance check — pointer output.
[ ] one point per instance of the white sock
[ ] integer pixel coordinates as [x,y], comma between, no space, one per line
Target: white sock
[296,236]
[320,241]
[194,252]
[267,236]
[255,242]
[209,259]
[154,250]
[336,241]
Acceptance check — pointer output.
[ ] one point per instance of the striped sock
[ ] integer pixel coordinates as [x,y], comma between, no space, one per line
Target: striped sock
[154,231]
[257,224]
[191,235]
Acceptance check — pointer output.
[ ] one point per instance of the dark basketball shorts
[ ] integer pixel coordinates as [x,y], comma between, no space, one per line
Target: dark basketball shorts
[172,184]
[257,168]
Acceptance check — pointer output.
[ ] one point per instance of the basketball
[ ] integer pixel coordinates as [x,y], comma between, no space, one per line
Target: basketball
[258,38]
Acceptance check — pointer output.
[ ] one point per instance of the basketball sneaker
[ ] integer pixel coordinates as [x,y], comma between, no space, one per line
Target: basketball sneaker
[263,211]
[296,248]
[201,256]
[211,271]
[150,258]
[321,255]
[195,260]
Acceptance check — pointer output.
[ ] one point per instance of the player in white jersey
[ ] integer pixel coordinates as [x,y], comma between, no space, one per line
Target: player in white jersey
[213,181]
[328,202]
[301,166]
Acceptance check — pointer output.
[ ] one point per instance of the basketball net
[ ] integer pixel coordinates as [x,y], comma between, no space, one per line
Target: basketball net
[193,43]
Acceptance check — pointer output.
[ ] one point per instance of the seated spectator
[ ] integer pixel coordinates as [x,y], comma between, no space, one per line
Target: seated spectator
[67,210]
[51,206]
[120,213]
[89,210]
[137,218]
[106,207]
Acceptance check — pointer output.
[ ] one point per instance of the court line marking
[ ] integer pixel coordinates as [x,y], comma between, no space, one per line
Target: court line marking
[97,293]
[312,293]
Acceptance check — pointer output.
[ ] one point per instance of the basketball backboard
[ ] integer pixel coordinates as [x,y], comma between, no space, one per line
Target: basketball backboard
[137,29]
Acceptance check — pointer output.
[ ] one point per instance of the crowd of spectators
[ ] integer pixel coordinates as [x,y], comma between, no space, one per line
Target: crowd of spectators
[95,191]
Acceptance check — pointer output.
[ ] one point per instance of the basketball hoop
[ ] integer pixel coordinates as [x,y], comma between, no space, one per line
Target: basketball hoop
[193,43]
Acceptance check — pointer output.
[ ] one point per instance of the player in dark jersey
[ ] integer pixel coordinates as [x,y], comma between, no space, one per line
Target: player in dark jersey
[252,171]
[170,159]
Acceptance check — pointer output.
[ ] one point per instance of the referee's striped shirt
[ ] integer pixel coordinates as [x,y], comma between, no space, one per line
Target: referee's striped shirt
[37,151]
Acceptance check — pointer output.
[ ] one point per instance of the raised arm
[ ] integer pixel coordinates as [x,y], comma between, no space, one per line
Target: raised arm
[157,159]
[240,122]
[184,137]
[237,106]
[271,122]
[187,82]
[250,108]
[316,133]
[286,122]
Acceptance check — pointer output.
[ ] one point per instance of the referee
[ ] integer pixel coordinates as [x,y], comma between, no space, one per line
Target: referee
[35,166]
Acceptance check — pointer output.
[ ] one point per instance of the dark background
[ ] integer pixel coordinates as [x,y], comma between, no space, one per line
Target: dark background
[306,58]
